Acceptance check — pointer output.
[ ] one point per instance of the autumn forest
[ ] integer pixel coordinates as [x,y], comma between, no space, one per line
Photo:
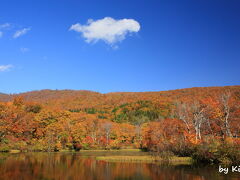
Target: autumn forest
[199,122]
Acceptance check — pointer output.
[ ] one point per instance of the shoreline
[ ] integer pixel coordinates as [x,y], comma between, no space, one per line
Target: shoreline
[130,156]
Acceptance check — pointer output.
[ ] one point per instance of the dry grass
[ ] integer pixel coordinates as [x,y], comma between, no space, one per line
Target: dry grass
[125,158]
[13,151]
[174,159]
[112,150]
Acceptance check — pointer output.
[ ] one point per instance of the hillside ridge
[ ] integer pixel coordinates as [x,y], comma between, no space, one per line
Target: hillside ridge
[50,92]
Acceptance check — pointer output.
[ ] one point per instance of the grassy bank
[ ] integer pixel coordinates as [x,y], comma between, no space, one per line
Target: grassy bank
[113,150]
[184,160]
[66,150]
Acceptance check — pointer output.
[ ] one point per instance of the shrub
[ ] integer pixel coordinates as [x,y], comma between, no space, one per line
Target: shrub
[218,153]
[4,148]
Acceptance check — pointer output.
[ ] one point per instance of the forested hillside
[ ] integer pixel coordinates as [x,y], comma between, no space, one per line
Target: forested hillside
[177,121]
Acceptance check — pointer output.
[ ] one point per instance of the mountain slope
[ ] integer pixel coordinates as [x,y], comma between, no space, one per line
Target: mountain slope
[73,99]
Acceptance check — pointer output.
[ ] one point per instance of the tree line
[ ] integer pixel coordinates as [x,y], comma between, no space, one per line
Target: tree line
[201,123]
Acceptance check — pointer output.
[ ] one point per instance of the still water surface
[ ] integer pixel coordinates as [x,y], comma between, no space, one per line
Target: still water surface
[84,166]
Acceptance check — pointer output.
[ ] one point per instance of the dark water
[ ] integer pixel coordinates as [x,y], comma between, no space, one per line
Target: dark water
[83,166]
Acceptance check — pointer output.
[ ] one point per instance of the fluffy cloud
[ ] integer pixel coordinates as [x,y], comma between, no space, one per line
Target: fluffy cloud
[21,32]
[5,67]
[107,29]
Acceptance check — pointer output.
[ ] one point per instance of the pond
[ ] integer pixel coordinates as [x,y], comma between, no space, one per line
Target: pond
[84,166]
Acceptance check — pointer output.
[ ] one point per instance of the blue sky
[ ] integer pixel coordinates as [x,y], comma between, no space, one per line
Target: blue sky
[178,44]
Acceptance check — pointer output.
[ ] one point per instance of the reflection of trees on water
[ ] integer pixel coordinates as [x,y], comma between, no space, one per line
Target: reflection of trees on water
[56,166]
[59,166]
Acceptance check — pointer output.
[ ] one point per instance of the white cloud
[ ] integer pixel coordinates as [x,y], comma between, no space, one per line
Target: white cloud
[24,50]
[5,67]
[5,25]
[21,32]
[107,29]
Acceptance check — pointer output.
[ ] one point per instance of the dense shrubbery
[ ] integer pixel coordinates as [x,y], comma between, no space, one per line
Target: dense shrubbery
[217,152]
